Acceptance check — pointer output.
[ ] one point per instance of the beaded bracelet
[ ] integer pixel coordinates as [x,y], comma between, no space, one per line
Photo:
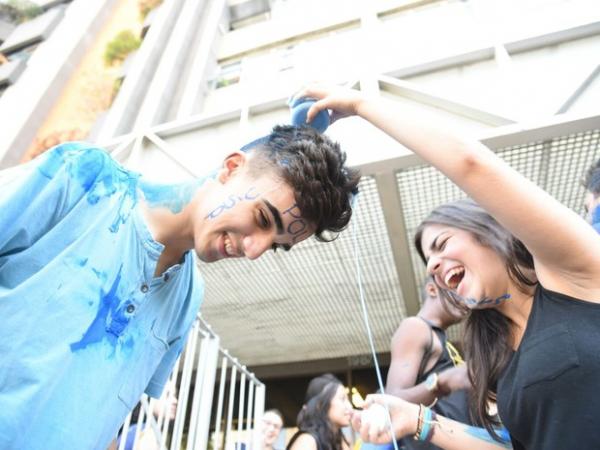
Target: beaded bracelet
[432,422]
[427,424]
[419,423]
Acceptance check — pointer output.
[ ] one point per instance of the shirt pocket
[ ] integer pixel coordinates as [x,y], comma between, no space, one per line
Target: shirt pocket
[140,372]
[548,355]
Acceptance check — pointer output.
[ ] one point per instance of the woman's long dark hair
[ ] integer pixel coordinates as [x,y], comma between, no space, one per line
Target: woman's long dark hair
[488,333]
[313,418]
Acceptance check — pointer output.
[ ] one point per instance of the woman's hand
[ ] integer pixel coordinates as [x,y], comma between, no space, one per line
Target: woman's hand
[342,102]
[372,422]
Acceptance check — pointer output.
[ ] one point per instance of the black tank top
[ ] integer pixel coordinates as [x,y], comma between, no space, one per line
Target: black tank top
[454,406]
[444,361]
[549,393]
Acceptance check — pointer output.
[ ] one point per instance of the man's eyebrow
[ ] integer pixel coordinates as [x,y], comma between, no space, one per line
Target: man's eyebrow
[276,216]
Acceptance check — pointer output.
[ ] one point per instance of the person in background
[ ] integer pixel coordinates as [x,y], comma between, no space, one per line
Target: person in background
[163,409]
[326,410]
[425,367]
[591,203]
[270,428]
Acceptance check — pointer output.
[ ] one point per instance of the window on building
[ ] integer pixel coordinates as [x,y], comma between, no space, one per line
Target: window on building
[227,75]
[243,13]
[287,61]
[23,53]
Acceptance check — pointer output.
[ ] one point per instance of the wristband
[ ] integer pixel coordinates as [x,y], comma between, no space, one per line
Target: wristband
[431,383]
[427,424]
[419,423]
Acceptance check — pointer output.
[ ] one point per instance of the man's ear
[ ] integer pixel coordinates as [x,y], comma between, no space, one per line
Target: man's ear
[232,165]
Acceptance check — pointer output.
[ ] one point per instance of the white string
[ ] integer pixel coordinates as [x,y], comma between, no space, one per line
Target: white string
[363,305]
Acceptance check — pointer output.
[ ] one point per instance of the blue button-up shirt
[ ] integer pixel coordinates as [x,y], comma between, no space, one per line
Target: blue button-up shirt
[85,327]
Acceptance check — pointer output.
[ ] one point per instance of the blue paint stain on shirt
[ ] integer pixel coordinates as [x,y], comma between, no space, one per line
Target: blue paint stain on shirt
[97,175]
[82,262]
[127,202]
[108,323]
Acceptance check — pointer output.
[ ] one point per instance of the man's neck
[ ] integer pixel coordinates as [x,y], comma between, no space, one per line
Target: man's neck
[173,227]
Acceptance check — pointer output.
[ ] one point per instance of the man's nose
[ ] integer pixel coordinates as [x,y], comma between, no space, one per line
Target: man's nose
[256,244]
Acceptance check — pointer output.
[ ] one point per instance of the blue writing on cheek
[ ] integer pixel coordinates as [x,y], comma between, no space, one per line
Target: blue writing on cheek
[231,201]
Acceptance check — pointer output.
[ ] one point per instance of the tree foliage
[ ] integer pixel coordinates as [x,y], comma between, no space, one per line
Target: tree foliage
[147,5]
[19,11]
[122,45]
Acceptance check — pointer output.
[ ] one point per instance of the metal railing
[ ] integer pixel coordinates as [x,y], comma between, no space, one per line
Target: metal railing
[218,402]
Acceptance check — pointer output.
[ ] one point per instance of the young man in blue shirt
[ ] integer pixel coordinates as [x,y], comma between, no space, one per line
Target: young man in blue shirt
[98,285]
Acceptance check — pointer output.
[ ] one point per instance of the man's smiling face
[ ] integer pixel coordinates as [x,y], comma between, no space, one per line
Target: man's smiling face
[247,215]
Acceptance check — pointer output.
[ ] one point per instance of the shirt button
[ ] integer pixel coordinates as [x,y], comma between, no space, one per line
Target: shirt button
[130,308]
[166,277]
[144,288]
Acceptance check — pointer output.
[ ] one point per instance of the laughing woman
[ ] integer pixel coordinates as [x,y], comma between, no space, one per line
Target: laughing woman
[526,266]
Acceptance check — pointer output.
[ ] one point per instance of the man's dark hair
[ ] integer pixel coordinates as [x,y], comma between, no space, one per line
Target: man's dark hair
[591,180]
[314,166]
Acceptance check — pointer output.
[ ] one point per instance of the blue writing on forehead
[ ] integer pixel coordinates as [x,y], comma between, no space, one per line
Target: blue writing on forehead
[293,211]
[298,226]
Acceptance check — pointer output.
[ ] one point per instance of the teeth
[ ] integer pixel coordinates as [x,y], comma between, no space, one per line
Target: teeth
[452,273]
[228,247]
